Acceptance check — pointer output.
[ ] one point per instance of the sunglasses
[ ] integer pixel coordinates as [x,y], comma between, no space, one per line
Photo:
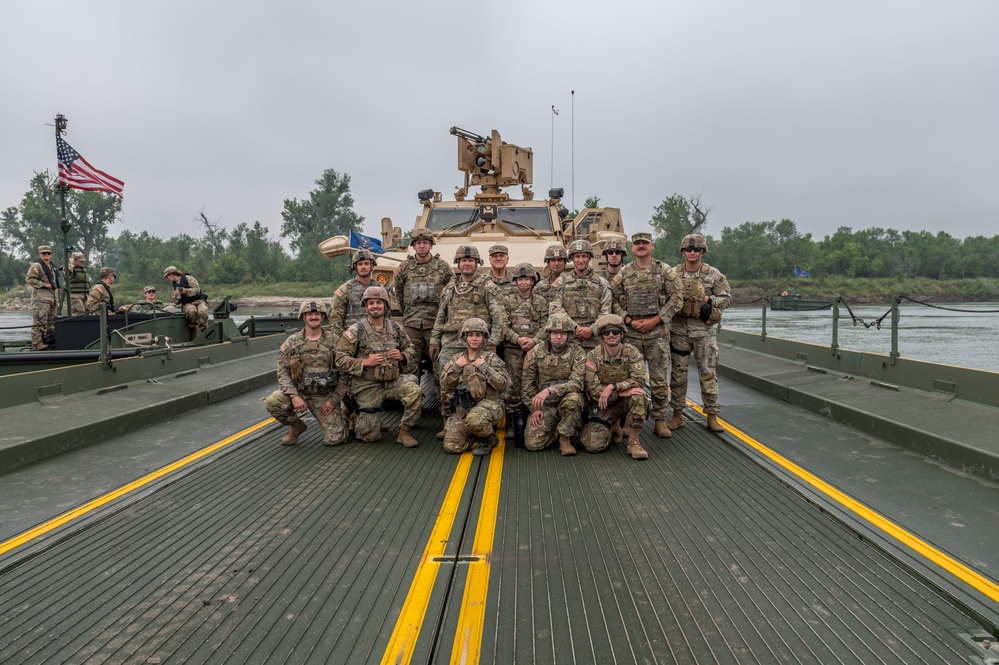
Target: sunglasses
[615,251]
[610,331]
[44,253]
[693,249]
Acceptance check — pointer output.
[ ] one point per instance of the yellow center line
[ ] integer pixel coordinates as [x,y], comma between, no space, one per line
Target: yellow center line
[906,538]
[414,609]
[76,513]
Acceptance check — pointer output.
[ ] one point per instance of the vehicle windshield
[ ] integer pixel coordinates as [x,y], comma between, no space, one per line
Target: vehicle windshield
[536,218]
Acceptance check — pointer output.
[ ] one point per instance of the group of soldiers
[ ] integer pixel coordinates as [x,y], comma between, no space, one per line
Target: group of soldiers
[584,356]
[46,280]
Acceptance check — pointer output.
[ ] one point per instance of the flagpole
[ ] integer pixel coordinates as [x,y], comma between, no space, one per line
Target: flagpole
[572,125]
[551,178]
[60,129]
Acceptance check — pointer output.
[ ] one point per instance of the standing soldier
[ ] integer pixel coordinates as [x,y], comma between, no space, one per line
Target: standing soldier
[581,293]
[474,383]
[706,294]
[79,284]
[187,295]
[614,253]
[377,354]
[527,315]
[419,283]
[100,295]
[553,388]
[43,277]
[614,381]
[307,380]
[346,309]
[646,296]
[555,257]
[504,280]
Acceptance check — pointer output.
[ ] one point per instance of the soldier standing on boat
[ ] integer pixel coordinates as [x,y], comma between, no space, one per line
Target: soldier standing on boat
[527,315]
[614,381]
[706,294]
[499,257]
[187,295]
[346,308]
[307,380]
[100,294]
[614,253]
[581,293]
[475,384]
[646,296]
[43,278]
[79,284]
[555,258]
[378,356]
[418,284]
[553,387]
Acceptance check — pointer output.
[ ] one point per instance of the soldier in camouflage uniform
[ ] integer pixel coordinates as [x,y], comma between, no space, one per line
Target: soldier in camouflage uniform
[581,293]
[100,295]
[614,253]
[377,354]
[346,308]
[307,380]
[555,258]
[418,284]
[189,297]
[43,278]
[504,280]
[553,388]
[79,284]
[646,296]
[475,384]
[151,305]
[526,315]
[706,294]
[614,382]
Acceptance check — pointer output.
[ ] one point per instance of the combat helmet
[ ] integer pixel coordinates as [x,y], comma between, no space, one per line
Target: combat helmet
[695,240]
[422,234]
[467,252]
[311,306]
[580,247]
[474,325]
[555,252]
[607,321]
[525,270]
[360,256]
[614,245]
[375,293]
[560,323]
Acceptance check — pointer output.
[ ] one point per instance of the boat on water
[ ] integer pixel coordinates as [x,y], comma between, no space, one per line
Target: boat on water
[795,303]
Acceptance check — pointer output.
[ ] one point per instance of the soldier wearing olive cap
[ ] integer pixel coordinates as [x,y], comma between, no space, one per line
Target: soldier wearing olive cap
[43,278]
[187,295]
[504,280]
[101,296]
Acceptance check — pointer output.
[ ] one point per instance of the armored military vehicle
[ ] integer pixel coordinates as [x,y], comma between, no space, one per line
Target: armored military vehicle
[490,216]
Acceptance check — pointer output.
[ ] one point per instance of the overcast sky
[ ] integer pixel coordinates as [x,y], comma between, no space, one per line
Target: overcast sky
[852,113]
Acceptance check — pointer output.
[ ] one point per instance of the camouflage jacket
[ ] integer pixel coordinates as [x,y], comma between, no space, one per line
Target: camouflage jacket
[363,339]
[506,284]
[562,373]
[346,309]
[642,293]
[525,317]
[188,290]
[583,299]
[493,370]
[418,288]
[39,280]
[100,296]
[306,366]
[463,300]
[705,281]
[627,369]
[546,288]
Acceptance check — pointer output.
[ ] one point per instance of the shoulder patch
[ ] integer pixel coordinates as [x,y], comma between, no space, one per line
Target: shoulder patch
[339,292]
[395,273]
[557,282]
[349,333]
[530,355]
[590,364]
[617,277]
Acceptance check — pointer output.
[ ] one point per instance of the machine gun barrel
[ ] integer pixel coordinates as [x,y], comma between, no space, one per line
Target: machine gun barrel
[465,134]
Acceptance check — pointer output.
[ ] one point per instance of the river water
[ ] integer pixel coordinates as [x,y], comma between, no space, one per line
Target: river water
[968,339]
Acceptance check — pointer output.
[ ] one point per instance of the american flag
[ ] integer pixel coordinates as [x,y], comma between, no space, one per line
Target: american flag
[76,172]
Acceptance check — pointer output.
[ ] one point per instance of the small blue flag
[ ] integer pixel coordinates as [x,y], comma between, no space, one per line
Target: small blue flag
[798,272]
[357,241]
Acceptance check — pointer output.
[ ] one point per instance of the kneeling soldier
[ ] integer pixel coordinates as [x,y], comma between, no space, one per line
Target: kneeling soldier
[475,383]
[553,388]
[615,381]
[376,353]
[307,380]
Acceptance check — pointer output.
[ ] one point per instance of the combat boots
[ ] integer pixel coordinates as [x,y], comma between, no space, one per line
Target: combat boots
[291,437]
[713,423]
[635,448]
[662,430]
[617,434]
[677,421]
[406,436]
[565,446]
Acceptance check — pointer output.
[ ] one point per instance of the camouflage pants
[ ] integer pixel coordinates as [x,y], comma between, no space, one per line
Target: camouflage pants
[334,427]
[78,303]
[372,394]
[562,419]
[447,353]
[197,315]
[513,356]
[596,433]
[655,350]
[480,421]
[44,308]
[705,350]
[420,337]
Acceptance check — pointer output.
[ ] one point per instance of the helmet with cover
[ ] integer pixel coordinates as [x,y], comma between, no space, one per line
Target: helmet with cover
[361,256]
[580,247]
[467,252]
[607,321]
[375,293]
[614,245]
[311,306]
[525,270]
[555,252]
[422,234]
[560,323]
[695,240]
[474,325]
